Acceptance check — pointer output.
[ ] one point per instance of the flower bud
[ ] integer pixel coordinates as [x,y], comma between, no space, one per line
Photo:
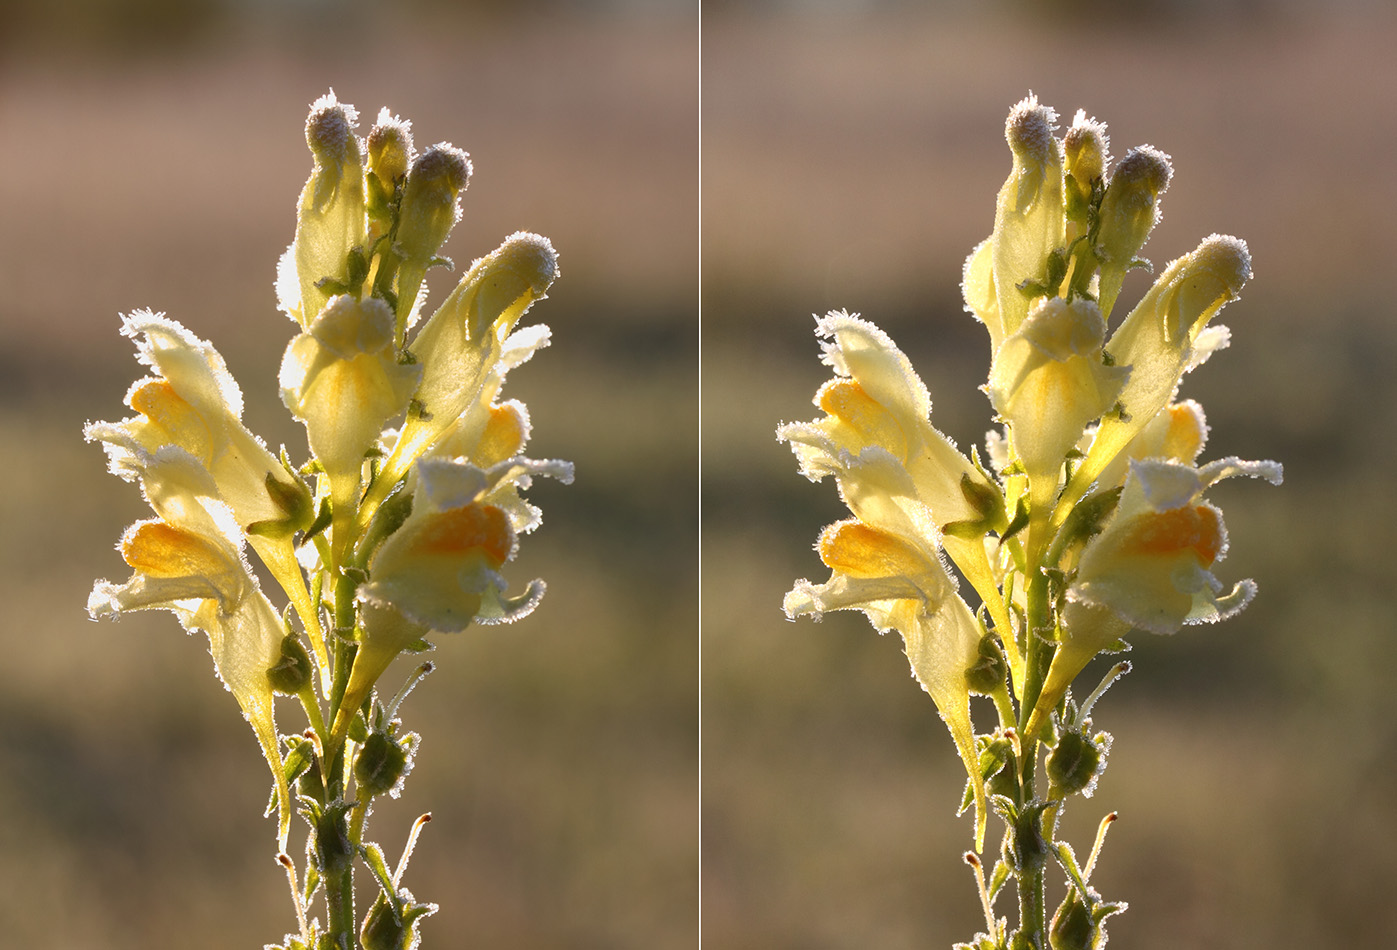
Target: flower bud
[1029,219]
[389,153]
[1086,150]
[430,209]
[330,219]
[390,149]
[1129,211]
[430,200]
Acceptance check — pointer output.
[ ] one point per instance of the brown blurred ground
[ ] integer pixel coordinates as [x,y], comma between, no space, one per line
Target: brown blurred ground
[559,755]
[852,161]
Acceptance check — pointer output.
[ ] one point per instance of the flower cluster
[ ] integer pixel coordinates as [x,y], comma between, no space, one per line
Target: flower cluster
[399,525]
[1085,521]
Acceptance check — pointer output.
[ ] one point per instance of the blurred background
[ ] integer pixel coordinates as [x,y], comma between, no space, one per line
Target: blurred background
[852,153]
[154,155]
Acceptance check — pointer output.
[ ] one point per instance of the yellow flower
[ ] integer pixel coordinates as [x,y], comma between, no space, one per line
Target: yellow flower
[895,470]
[440,571]
[344,381]
[1149,568]
[1165,336]
[195,404]
[1029,217]
[330,219]
[189,561]
[1048,383]
[467,346]
[900,584]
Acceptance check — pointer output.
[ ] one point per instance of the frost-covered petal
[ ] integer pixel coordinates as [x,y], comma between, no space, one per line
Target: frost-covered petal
[1048,382]
[901,584]
[1029,218]
[1157,338]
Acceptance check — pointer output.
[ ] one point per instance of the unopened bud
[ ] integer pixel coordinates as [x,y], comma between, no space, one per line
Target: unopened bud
[430,207]
[1029,220]
[330,218]
[1212,276]
[390,148]
[506,281]
[1086,151]
[1029,130]
[330,129]
[1129,211]
[1130,207]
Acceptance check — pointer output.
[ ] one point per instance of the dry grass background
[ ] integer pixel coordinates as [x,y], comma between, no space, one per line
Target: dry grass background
[559,755]
[851,160]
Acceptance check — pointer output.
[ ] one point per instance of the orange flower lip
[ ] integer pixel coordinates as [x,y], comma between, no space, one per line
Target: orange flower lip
[162,550]
[1197,528]
[459,530]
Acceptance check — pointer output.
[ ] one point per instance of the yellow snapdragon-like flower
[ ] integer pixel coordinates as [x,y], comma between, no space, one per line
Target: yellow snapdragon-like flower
[1150,567]
[1089,522]
[466,347]
[1165,336]
[893,468]
[899,583]
[344,381]
[440,571]
[1048,382]
[195,404]
[330,220]
[188,560]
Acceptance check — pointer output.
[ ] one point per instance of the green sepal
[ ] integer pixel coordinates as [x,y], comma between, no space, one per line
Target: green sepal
[357,269]
[300,756]
[293,500]
[995,753]
[332,852]
[312,884]
[381,763]
[998,878]
[1086,520]
[387,519]
[1024,846]
[292,672]
[990,670]
[359,727]
[323,517]
[1018,523]
[373,858]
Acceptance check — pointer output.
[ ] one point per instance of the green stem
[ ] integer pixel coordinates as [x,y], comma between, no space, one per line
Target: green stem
[339,887]
[1032,905]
